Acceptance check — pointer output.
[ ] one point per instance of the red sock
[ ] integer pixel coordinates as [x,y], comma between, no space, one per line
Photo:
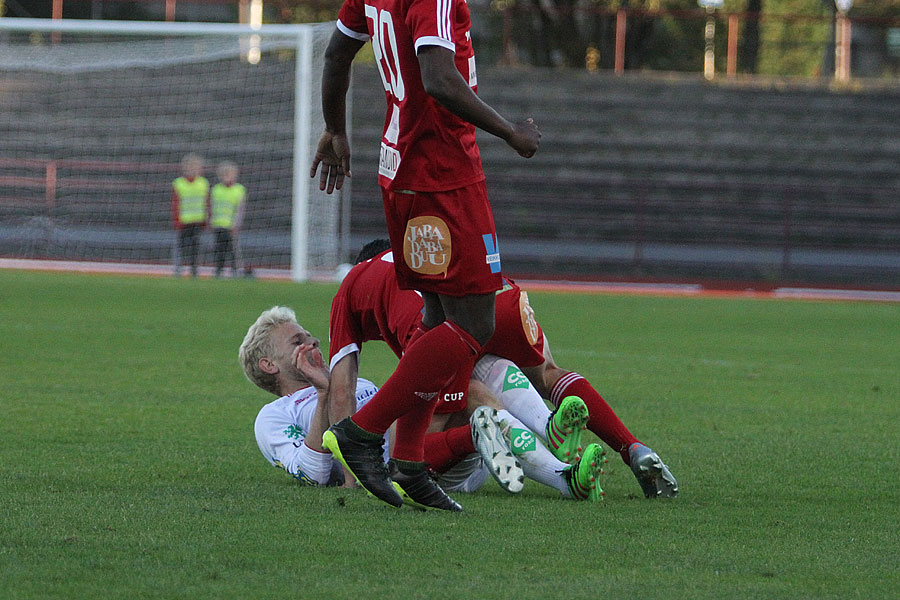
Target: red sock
[602,420]
[423,372]
[446,448]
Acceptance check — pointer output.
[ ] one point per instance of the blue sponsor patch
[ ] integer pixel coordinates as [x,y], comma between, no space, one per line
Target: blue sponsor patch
[493,253]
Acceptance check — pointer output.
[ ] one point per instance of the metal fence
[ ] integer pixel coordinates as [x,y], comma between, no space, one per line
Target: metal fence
[722,43]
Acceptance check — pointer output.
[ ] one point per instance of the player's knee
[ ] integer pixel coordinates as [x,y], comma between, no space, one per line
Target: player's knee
[475,314]
[480,329]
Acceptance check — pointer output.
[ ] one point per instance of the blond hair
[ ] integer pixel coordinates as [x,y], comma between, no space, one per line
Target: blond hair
[257,344]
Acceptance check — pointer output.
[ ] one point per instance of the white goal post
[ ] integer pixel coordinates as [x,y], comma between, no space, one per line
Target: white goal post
[97,116]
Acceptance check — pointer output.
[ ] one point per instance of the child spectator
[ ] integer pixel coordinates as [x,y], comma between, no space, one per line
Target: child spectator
[189,211]
[227,207]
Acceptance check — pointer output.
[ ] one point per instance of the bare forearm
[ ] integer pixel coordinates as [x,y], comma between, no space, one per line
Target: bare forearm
[342,401]
[336,80]
[456,96]
[319,421]
[444,83]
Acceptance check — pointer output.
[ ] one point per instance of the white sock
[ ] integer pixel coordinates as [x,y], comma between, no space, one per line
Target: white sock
[515,392]
[538,463]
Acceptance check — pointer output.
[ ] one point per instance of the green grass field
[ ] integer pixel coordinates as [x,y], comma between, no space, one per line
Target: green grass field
[128,466]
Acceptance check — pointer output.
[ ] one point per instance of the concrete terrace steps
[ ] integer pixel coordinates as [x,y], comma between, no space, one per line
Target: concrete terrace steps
[673,161]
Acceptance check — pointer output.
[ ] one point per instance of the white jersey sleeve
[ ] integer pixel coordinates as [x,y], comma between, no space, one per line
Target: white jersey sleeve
[281,428]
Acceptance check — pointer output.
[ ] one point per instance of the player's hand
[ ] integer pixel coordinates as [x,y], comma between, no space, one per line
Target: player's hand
[526,138]
[307,358]
[333,153]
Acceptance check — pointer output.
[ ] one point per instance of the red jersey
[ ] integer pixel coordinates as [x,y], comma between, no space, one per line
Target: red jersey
[425,147]
[369,306]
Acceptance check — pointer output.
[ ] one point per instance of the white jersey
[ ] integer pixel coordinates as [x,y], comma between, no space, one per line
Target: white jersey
[281,427]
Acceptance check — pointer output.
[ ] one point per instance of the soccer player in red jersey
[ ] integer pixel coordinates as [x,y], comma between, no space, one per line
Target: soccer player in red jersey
[370,306]
[437,212]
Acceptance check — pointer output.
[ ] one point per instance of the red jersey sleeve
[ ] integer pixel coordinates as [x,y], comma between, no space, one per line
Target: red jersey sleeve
[352,20]
[430,23]
[344,332]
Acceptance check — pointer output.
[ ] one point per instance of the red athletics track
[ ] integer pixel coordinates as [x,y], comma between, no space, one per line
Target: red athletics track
[592,287]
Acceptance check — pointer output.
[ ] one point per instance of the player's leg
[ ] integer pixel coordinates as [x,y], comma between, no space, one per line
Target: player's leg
[559,384]
[229,252]
[579,481]
[193,247]
[475,414]
[452,454]
[432,236]
[177,252]
[219,251]
[473,313]
[497,434]
[560,430]
[652,474]
[409,400]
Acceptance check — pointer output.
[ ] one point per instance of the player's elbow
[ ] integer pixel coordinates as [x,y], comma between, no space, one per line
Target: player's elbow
[440,87]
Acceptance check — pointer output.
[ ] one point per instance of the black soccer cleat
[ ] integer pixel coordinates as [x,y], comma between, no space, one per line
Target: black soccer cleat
[418,489]
[364,459]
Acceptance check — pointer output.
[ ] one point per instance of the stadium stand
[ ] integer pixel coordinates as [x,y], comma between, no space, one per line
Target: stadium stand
[637,176]
[645,176]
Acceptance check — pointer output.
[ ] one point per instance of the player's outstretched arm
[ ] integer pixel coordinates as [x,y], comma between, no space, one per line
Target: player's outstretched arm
[342,396]
[342,399]
[333,151]
[443,82]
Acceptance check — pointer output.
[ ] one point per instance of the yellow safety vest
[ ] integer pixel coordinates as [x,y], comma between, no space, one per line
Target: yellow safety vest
[226,200]
[191,199]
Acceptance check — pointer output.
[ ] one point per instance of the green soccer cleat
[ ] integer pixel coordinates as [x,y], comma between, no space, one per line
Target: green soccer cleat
[584,476]
[564,429]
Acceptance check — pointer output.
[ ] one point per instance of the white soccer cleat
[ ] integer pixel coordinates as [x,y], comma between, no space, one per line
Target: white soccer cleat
[651,472]
[494,450]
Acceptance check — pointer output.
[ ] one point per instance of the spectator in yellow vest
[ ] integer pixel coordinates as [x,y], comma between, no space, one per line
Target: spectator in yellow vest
[227,206]
[190,194]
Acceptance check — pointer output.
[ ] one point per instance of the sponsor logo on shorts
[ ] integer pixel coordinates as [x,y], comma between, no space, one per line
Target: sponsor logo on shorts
[493,253]
[521,441]
[514,379]
[529,323]
[427,247]
[388,162]
[426,396]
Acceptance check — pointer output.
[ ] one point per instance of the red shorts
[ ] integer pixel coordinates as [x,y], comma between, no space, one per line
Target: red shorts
[517,337]
[446,240]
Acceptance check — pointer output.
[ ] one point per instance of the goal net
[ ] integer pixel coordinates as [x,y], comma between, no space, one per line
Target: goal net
[97,115]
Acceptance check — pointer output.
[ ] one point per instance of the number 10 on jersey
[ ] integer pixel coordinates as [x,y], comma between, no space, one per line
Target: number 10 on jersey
[383,27]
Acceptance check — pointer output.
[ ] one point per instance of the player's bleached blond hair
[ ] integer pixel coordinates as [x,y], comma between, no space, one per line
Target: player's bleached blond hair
[257,344]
